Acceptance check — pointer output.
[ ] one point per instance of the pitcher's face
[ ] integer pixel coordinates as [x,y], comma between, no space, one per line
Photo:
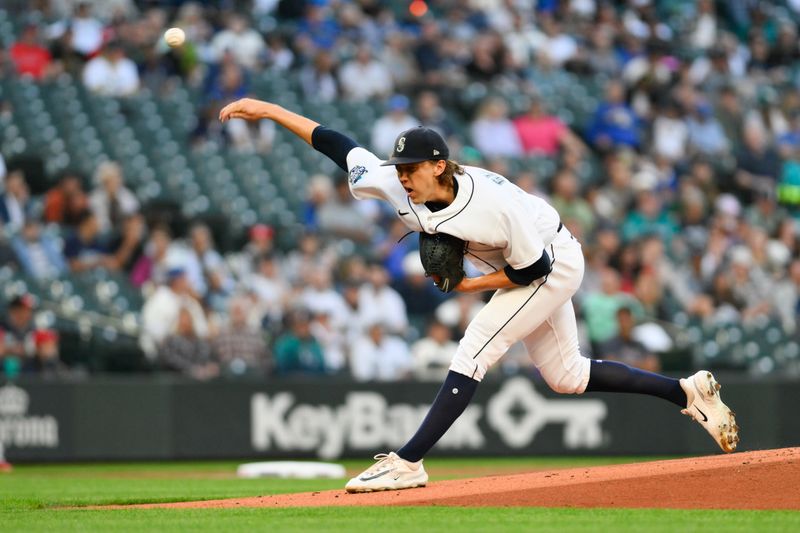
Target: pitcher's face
[419,180]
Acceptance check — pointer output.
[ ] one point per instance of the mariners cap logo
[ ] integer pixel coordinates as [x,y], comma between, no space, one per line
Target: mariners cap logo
[416,145]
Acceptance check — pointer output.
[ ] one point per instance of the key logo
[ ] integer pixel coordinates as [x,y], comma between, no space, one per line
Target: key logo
[518,413]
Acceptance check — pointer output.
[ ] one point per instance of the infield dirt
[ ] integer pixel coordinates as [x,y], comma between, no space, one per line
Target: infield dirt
[768,479]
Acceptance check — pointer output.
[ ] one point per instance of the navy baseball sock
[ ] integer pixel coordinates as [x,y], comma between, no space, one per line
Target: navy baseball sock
[450,402]
[611,376]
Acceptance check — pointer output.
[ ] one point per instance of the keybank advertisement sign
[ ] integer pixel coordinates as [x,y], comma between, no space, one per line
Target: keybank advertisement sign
[124,417]
[367,421]
[18,428]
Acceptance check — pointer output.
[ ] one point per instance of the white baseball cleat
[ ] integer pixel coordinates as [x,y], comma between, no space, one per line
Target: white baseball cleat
[391,472]
[705,406]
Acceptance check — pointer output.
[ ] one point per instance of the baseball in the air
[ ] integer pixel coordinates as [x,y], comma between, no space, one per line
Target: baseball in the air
[174,37]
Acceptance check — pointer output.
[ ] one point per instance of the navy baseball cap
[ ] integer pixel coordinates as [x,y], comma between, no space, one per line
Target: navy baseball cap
[418,144]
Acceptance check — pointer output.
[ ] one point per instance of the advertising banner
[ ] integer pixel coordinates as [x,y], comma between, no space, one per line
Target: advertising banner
[160,418]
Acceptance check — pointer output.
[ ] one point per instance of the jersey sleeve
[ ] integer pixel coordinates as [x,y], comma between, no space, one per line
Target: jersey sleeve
[524,245]
[366,176]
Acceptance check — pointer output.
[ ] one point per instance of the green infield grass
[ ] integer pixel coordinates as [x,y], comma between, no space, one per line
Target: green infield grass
[32,499]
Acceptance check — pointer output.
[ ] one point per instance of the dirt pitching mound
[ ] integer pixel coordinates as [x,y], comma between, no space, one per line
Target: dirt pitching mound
[752,480]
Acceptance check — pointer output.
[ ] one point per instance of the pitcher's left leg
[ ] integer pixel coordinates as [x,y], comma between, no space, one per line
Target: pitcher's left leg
[509,316]
[554,350]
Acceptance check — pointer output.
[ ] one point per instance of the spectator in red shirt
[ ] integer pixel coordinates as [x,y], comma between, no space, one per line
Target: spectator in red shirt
[30,58]
[544,134]
[66,202]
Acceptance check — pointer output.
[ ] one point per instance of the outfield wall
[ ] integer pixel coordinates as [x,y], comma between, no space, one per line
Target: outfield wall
[124,418]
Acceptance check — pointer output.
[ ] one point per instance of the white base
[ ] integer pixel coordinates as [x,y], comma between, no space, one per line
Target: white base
[291,469]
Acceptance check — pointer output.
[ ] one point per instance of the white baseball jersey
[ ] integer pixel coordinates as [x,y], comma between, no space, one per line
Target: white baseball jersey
[502,225]
[514,235]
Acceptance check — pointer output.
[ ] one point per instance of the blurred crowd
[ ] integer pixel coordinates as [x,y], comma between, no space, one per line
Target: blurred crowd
[691,216]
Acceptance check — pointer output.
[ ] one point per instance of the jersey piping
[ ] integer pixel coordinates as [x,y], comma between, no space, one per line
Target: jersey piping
[471,194]
[515,312]
[482,260]
[415,213]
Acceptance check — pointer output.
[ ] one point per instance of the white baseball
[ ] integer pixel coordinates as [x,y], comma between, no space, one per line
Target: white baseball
[174,37]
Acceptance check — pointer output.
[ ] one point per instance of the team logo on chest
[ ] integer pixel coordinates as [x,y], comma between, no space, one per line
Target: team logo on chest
[356,173]
[401,145]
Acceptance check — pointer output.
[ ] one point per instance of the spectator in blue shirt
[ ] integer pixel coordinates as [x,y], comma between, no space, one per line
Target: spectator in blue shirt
[319,26]
[38,253]
[84,249]
[706,135]
[14,201]
[790,141]
[614,123]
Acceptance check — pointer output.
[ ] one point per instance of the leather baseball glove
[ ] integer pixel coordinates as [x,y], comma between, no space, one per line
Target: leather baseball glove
[442,257]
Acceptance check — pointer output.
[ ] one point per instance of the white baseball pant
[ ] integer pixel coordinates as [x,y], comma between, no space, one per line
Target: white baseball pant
[541,316]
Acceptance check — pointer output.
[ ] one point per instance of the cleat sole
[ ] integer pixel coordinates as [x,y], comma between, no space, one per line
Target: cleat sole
[727,433]
[383,489]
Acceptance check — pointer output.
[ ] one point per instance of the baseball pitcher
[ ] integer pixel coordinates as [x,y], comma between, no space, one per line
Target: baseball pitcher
[527,257]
